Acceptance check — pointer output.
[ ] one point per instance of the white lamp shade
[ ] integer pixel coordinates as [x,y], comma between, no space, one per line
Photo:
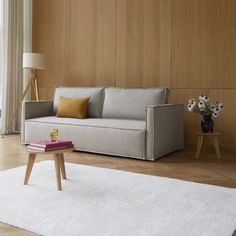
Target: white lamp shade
[33,60]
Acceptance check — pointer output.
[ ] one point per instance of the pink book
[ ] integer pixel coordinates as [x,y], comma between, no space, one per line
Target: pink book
[49,144]
[48,149]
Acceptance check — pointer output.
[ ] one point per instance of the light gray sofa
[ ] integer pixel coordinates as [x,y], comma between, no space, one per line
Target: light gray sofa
[136,123]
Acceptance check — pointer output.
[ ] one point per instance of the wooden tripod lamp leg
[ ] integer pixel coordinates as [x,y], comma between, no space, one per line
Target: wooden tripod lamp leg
[22,98]
[33,86]
[36,88]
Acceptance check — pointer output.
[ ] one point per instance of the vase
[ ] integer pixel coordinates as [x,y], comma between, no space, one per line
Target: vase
[207,124]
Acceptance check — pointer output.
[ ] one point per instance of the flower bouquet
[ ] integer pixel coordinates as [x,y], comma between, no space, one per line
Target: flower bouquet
[207,110]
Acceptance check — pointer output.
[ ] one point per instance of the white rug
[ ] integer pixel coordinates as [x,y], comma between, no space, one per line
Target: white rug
[101,202]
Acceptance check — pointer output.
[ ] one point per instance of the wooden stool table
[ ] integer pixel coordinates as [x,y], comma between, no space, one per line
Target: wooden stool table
[58,160]
[201,138]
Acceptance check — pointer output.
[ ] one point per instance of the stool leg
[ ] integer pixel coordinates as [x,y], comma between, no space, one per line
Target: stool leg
[216,145]
[199,146]
[63,169]
[58,172]
[30,164]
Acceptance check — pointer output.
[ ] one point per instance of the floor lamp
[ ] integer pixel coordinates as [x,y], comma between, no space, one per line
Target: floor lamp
[32,61]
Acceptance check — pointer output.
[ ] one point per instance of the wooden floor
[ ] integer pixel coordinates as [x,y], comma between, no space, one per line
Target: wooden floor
[181,165]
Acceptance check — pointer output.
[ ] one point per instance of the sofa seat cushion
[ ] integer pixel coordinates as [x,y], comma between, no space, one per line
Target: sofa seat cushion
[94,122]
[109,136]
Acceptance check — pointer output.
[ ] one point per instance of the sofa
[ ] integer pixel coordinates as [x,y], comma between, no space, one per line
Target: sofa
[128,122]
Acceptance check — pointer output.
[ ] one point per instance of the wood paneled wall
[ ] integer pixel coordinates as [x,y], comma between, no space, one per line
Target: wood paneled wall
[187,45]
[203,59]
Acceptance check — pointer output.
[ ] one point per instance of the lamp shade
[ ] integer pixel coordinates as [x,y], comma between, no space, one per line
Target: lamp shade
[33,60]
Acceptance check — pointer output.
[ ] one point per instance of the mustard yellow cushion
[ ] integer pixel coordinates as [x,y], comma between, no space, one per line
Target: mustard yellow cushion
[72,108]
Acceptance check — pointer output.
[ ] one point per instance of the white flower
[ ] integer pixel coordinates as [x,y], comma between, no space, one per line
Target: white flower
[212,107]
[202,106]
[191,101]
[220,105]
[192,106]
[203,98]
[216,109]
[215,114]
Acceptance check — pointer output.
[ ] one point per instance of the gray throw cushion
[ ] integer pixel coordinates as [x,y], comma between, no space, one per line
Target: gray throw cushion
[95,102]
[129,103]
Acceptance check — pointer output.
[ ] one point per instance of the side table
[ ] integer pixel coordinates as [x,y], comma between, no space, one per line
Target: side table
[58,160]
[202,136]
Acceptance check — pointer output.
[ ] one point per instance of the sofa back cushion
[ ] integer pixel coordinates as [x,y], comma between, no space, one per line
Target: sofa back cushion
[126,103]
[95,101]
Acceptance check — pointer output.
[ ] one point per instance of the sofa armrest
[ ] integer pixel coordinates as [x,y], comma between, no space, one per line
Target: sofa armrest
[34,109]
[165,129]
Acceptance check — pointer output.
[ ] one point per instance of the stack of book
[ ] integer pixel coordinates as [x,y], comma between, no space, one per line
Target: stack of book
[46,145]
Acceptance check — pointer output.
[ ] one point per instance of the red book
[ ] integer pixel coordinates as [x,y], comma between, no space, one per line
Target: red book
[46,144]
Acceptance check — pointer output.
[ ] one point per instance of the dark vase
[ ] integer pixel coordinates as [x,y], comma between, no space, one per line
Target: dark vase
[207,124]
